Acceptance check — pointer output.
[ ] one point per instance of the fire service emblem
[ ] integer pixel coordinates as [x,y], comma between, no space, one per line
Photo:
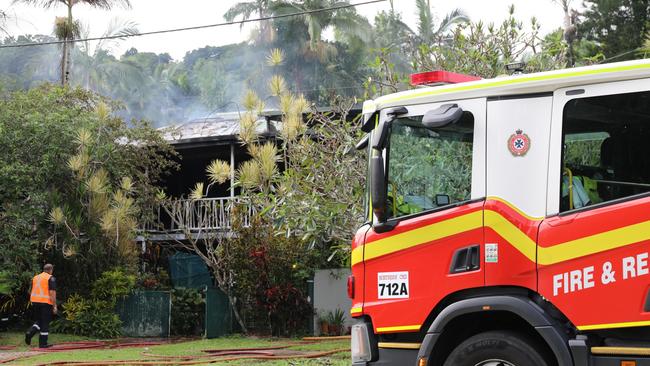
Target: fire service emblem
[519,143]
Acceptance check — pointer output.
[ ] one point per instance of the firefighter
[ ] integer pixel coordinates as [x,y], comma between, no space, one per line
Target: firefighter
[43,298]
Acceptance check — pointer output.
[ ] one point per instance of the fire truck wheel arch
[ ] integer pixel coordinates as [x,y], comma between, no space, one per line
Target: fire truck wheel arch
[517,305]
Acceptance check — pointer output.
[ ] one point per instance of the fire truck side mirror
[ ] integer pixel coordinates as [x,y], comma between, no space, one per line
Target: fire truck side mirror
[442,116]
[380,135]
[378,185]
[377,173]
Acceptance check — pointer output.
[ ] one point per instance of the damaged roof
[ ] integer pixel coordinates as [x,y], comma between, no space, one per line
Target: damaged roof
[223,128]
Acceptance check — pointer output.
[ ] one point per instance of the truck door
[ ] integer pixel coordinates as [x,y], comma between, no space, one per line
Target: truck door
[436,189]
[517,155]
[593,248]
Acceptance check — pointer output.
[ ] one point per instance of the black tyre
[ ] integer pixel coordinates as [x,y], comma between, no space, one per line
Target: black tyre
[496,348]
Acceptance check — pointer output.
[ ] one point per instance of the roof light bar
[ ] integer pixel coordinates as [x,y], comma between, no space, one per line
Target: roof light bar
[440,77]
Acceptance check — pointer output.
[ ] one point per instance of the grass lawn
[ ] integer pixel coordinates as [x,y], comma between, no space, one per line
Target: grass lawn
[180,349]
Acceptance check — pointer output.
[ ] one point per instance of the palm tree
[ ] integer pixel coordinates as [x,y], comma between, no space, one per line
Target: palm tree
[248,8]
[346,21]
[64,30]
[68,30]
[94,63]
[428,32]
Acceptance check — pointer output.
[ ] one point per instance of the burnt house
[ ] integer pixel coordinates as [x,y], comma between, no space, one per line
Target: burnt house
[198,143]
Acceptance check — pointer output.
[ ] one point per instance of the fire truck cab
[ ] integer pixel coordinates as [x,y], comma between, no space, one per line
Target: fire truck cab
[508,222]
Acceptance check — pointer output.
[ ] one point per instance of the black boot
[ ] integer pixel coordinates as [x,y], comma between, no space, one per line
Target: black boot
[30,333]
[42,341]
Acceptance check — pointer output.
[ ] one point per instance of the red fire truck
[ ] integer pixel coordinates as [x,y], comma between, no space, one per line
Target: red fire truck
[508,222]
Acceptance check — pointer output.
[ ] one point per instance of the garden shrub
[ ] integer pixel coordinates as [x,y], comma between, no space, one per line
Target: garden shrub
[188,311]
[89,317]
[95,316]
[271,273]
[154,281]
[112,285]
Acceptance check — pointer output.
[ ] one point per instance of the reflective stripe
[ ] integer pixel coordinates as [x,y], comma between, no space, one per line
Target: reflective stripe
[399,328]
[613,325]
[36,326]
[398,345]
[45,333]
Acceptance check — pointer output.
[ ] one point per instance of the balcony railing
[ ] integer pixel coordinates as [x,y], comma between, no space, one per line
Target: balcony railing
[207,214]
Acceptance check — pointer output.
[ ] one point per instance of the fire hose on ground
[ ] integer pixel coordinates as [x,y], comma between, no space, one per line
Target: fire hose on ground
[212,356]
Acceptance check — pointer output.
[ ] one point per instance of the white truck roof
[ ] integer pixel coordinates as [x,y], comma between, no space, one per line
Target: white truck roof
[512,85]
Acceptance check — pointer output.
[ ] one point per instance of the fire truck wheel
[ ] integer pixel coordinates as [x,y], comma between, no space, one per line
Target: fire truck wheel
[496,348]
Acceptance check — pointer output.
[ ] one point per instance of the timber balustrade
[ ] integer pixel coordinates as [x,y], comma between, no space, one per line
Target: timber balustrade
[177,215]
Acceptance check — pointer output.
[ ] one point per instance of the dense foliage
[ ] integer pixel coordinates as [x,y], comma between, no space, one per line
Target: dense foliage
[188,311]
[620,27]
[60,202]
[95,315]
[271,274]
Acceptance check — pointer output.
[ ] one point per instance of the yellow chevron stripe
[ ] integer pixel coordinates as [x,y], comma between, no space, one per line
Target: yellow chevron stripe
[357,255]
[613,325]
[511,234]
[419,236]
[545,256]
[397,329]
[513,207]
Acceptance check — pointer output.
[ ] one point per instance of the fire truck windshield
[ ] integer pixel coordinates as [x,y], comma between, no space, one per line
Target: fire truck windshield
[428,168]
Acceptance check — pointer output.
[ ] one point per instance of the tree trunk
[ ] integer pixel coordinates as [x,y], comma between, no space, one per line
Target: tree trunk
[233,306]
[67,46]
[64,61]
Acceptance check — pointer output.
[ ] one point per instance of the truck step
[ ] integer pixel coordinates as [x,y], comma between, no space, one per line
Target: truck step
[621,351]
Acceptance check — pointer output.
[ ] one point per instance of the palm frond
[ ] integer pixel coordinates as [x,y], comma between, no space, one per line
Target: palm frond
[243,10]
[118,29]
[452,18]
[104,4]
[425,19]
[352,24]
[42,3]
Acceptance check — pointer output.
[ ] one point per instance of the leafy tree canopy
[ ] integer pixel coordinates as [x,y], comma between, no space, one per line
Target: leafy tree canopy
[50,188]
[618,26]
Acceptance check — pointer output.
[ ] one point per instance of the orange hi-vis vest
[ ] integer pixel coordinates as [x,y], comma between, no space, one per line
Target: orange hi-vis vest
[41,289]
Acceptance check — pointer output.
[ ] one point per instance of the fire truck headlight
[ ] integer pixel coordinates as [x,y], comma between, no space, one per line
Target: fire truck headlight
[360,343]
